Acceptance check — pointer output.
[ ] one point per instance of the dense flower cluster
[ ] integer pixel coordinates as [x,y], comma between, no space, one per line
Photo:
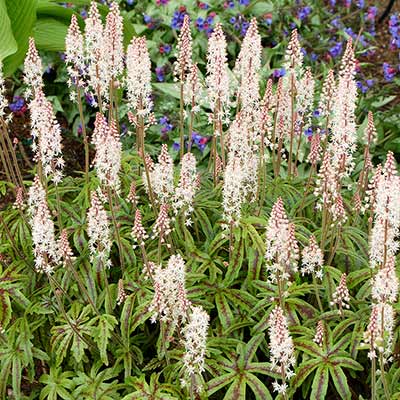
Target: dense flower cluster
[281,347]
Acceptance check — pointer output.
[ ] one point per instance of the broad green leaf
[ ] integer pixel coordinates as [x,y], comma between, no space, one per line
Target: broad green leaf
[50,34]
[8,45]
[22,16]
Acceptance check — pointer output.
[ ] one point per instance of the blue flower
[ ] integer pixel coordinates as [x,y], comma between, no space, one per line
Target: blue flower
[176,146]
[304,12]
[279,72]
[336,50]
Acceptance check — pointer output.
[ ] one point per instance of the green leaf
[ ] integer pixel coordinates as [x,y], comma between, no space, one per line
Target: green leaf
[5,309]
[22,17]
[219,382]
[320,383]
[340,382]
[8,45]
[224,312]
[259,389]
[50,34]
[102,334]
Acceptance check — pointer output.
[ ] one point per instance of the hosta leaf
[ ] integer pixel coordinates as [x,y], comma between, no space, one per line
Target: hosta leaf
[340,382]
[102,334]
[8,44]
[320,383]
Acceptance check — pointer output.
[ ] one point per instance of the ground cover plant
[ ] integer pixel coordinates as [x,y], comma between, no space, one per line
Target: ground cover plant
[256,261]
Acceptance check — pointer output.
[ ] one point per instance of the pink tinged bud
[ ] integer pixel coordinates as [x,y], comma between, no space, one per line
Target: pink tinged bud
[64,247]
[319,334]
[19,199]
[121,297]
[341,296]
[162,227]
[184,59]
[138,232]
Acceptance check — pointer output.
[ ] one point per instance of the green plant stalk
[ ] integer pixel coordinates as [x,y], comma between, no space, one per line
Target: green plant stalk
[140,138]
[381,361]
[5,157]
[373,377]
[118,237]
[69,322]
[85,142]
[220,131]
[58,202]
[13,155]
[317,293]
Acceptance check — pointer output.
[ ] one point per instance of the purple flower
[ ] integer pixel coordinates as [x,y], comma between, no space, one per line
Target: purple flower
[371,14]
[129,2]
[177,18]
[308,132]
[160,74]
[336,50]
[388,72]
[360,3]
[277,73]
[244,2]
[18,105]
[147,19]
[304,12]
[176,146]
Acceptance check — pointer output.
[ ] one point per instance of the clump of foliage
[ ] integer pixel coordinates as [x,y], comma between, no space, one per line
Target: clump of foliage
[263,267]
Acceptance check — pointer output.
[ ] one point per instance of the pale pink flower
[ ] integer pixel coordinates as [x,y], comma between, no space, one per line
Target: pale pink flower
[327,96]
[281,346]
[19,203]
[107,161]
[64,248]
[385,284]
[186,189]
[247,68]
[312,259]
[217,79]
[121,297]
[45,247]
[170,303]
[75,56]
[138,80]
[46,134]
[195,342]
[33,70]
[3,98]
[379,339]
[98,232]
